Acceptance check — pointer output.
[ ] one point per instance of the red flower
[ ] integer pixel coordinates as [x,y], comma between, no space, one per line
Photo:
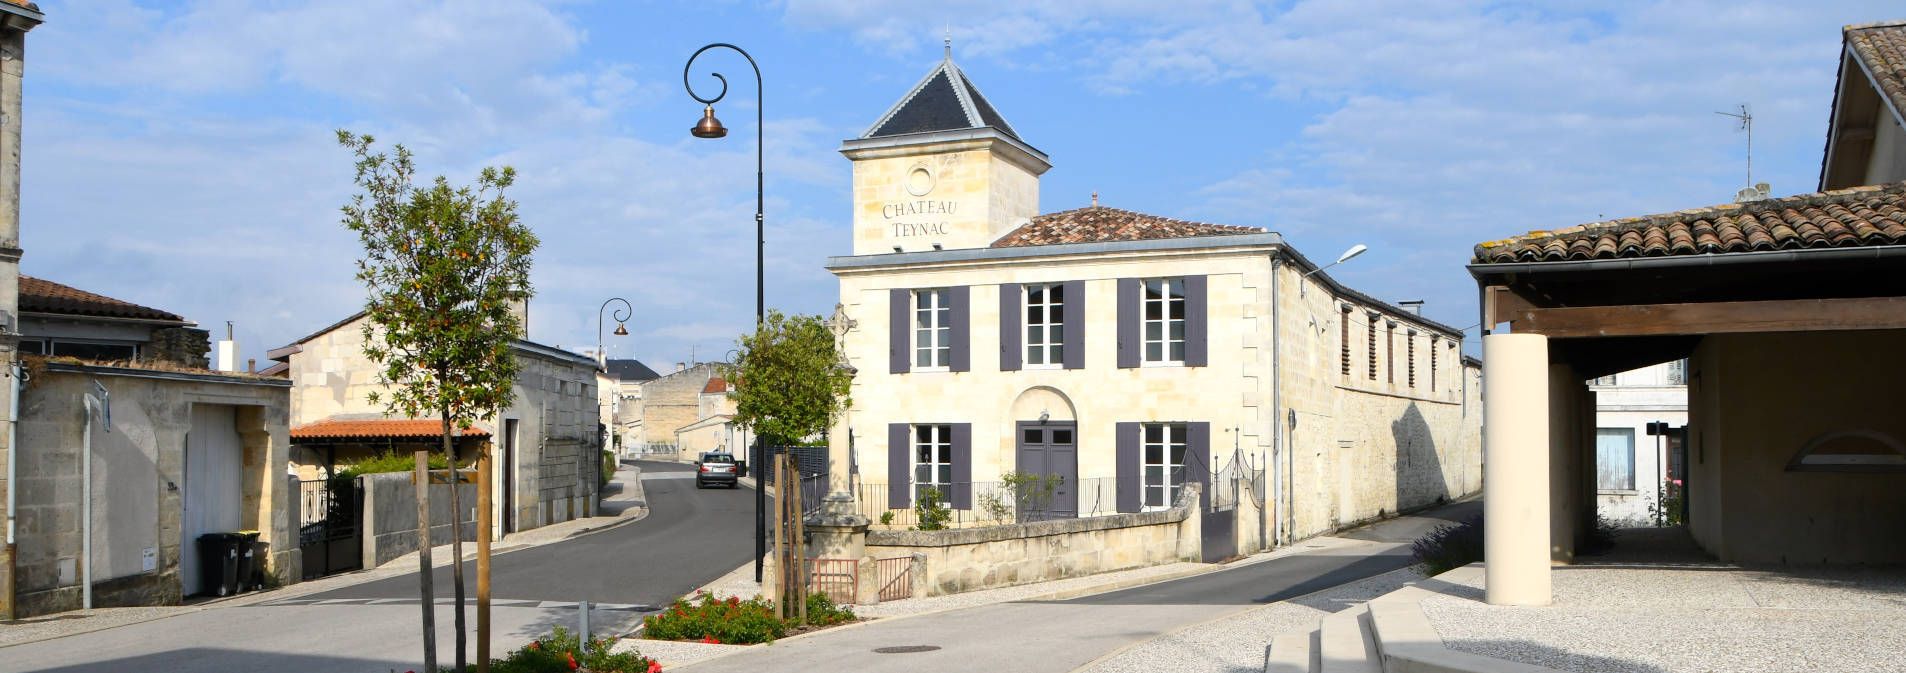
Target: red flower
[655,667]
[711,640]
[572,660]
[534,645]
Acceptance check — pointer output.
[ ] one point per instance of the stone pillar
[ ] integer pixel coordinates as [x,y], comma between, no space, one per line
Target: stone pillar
[1516,469]
[840,533]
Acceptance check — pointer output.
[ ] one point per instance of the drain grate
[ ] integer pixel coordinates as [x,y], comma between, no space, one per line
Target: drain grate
[905,649]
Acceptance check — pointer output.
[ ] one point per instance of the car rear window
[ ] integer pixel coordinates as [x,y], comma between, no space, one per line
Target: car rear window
[718,458]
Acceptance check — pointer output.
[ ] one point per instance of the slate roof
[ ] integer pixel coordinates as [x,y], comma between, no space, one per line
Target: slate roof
[1098,223]
[1881,47]
[630,370]
[45,296]
[335,429]
[1861,216]
[944,100]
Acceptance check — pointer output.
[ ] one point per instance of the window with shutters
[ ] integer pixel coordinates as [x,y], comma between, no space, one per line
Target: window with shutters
[1164,321]
[1409,364]
[932,330]
[1163,454]
[1373,346]
[1045,326]
[1389,353]
[933,460]
[1343,335]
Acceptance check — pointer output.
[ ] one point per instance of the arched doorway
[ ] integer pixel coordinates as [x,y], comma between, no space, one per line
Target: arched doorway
[1045,440]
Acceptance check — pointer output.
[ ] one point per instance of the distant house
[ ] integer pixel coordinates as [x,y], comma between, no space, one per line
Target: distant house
[714,428]
[1640,416]
[669,403]
[547,441]
[627,376]
[177,451]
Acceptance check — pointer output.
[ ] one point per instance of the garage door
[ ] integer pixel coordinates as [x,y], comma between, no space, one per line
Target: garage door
[214,495]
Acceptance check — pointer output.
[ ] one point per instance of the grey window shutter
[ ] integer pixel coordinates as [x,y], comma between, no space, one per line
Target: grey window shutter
[899,466]
[1198,458]
[1075,324]
[1129,468]
[1009,308]
[962,496]
[1129,312]
[959,302]
[899,318]
[1195,321]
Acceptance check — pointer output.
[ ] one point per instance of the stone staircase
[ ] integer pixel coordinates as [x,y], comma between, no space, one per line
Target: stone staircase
[1387,635]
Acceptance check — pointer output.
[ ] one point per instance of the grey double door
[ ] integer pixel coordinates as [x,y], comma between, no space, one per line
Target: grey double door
[1049,449]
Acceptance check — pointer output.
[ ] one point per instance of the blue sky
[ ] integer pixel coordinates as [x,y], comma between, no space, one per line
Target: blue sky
[181,155]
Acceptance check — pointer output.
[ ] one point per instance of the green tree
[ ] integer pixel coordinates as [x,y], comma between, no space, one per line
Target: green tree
[790,382]
[443,266]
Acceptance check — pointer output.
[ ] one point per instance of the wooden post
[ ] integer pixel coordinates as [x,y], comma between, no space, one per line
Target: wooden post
[484,520]
[422,479]
[780,539]
[795,514]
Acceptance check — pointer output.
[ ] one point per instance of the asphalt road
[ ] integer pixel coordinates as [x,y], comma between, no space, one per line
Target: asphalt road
[689,538]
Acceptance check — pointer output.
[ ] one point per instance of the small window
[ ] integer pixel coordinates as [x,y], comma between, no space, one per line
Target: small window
[1062,437]
[932,331]
[1343,338]
[1434,342]
[933,460]
[96,351]
[1615,459]
[32,347]
[1164,320]
[1389,354]
[1409,365]
[1045,324]
[1373,346]
[1163,463]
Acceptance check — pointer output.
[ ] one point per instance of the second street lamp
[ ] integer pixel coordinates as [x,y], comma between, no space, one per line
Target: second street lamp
[622,314]
[710,127]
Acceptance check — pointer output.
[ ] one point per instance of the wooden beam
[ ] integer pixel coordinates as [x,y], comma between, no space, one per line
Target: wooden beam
[1502,304]
[1795,315]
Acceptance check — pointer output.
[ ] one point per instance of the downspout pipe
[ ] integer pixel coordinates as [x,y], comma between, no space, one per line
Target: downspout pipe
[1277,415]
[13,492]
[103,400]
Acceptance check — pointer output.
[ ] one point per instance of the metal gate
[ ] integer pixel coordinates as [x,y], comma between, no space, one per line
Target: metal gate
[894,576]
[836,578]
[331,534]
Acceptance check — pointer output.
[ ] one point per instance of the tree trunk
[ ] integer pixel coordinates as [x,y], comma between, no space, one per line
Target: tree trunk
[456,537]
[422,478]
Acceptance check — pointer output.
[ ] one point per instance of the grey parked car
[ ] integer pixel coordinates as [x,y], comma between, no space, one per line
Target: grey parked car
[716,468]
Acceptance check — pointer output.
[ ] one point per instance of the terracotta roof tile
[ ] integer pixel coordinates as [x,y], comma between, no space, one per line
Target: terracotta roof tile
[715,385]
[1882,47]
[377,428]
[1094,224]
[45,296]
[1861,216]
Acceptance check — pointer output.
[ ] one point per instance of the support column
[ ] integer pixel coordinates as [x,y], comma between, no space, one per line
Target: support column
[1516,469]
[1565,460]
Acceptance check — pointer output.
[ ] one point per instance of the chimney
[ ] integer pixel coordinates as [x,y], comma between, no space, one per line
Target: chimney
[681,366]
[1414,306]
[1759,192]
[227,351]
[520,309]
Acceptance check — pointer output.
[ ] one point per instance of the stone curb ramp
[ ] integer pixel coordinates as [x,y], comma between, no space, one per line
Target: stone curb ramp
[1390,634]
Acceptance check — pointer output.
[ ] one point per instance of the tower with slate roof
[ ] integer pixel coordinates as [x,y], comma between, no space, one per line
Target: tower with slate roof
[941,169]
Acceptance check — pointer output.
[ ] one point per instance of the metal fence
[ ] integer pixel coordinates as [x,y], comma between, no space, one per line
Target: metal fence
[893,578]
[838,579]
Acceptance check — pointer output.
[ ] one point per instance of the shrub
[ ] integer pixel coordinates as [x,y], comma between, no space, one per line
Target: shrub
[390,461]
[886,518]
[715,620]
[821,611]
[562,652]
[1450,546]
[932,510]
[608,469]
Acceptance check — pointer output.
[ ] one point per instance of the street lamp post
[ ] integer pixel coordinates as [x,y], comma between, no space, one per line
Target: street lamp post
[710,127]
[622,314]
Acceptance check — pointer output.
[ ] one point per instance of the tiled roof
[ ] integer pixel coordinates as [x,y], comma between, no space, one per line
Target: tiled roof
[945,100]
[715,385]
[45,296]
[1861,216]
[1099,223]
[1882,48]
[376,428]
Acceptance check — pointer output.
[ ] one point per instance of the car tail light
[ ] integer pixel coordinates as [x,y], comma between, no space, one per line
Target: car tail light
[704,467]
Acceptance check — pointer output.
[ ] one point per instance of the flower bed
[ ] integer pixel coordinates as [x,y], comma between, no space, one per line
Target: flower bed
[562,652]
[737,622]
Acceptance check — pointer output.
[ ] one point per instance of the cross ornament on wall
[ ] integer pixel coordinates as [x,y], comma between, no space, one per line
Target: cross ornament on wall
[840,325]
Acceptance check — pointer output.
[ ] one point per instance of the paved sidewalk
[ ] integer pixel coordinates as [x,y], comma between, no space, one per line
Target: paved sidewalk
[626,504]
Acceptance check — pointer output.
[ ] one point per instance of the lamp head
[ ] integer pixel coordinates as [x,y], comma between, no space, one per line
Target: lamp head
[621,330]
[709,126]
[1354,250]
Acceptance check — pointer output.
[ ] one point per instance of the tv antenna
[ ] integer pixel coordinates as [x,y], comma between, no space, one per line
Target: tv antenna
[1746,119]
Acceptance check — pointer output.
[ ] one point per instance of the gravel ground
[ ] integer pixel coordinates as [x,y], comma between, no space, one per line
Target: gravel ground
[673,653]
[1236,644]
[1723,620]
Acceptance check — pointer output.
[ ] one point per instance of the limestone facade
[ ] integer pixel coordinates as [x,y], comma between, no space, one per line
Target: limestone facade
[550,428]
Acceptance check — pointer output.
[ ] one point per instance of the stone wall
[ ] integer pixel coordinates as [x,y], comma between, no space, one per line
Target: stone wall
[672,402]
[138,482]
[970,559]
[184,346]
[390,516]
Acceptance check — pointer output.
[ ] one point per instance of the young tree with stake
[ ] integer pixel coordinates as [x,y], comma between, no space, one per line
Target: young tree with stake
[443,266]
